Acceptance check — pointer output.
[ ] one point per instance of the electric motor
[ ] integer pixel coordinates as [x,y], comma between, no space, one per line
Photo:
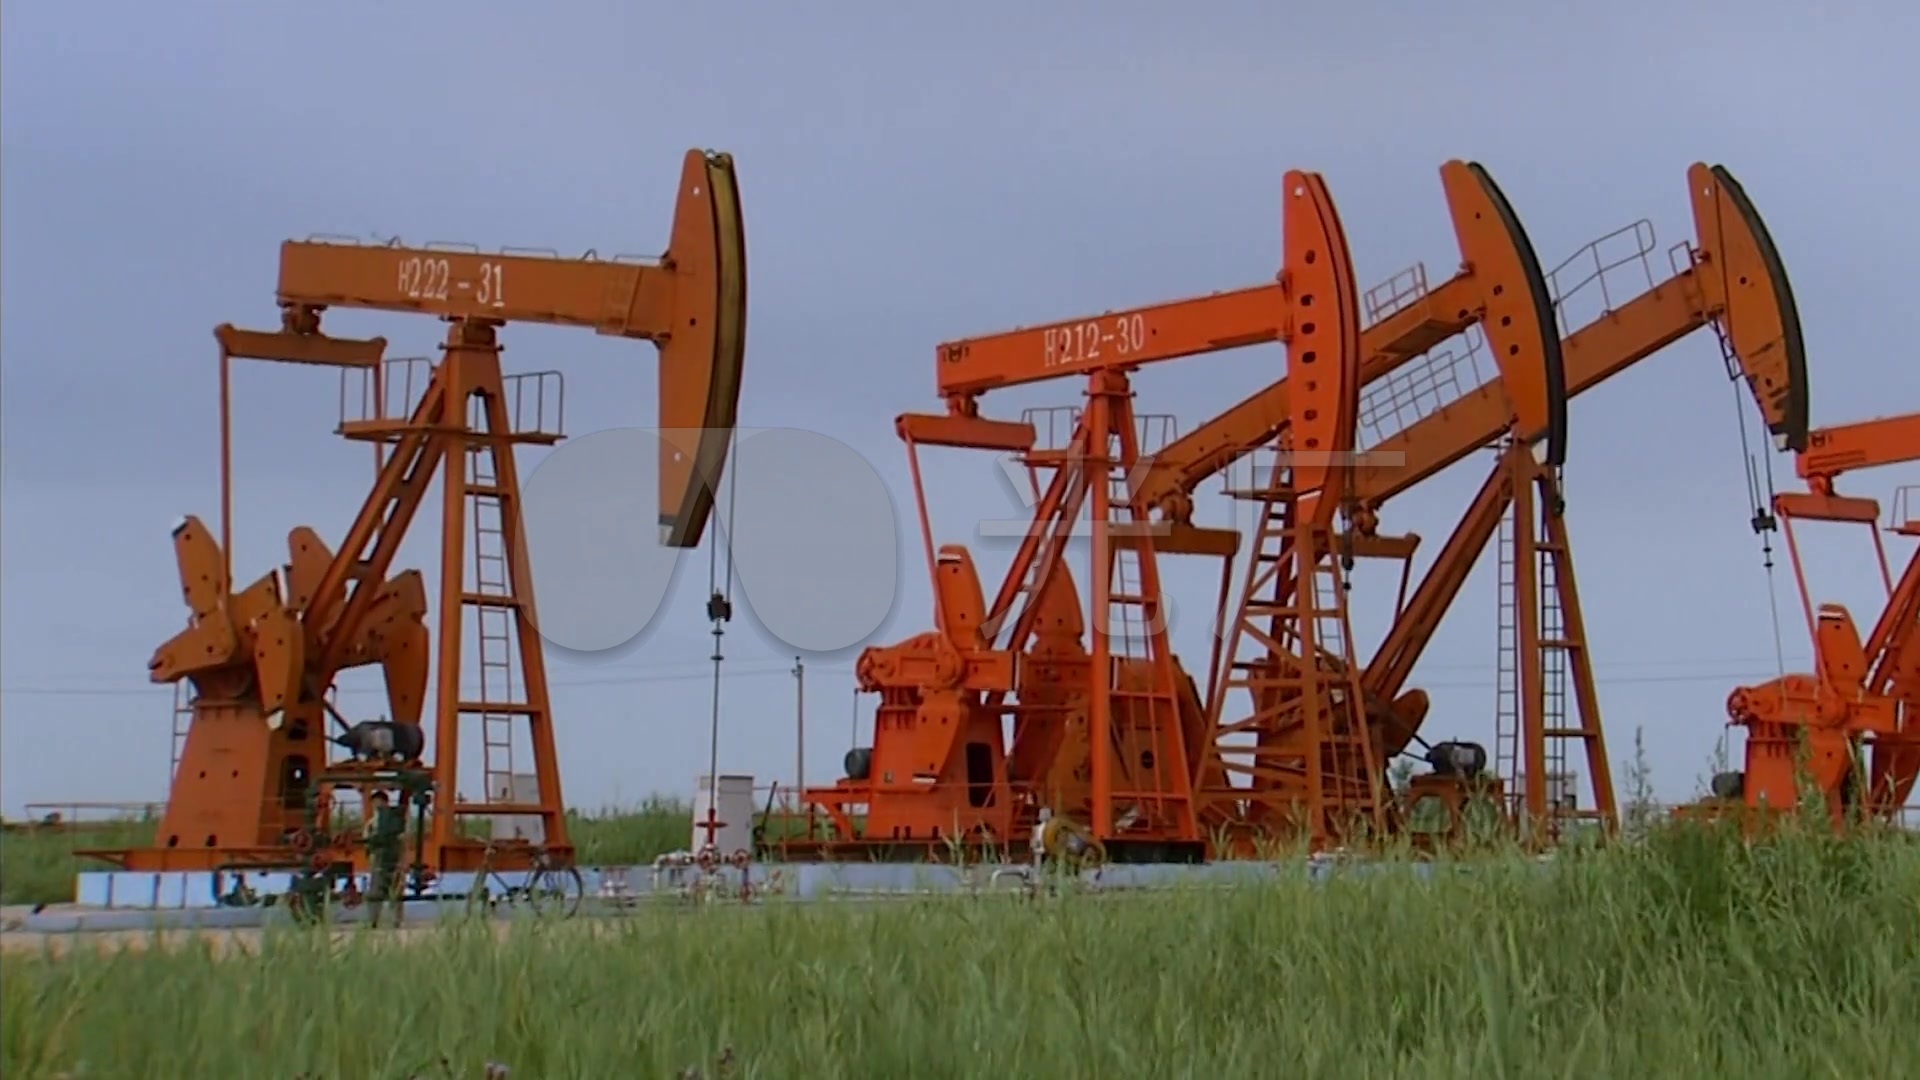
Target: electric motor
[859,763]
[1728,785]
[1462,759]
[383,740]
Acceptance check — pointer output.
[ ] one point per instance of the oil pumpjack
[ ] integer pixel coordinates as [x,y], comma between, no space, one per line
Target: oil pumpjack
[255,785]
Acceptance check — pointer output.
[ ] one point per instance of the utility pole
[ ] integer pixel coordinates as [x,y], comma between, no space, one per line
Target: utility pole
[800,725]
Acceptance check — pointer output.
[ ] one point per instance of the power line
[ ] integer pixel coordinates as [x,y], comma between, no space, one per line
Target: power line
[1621,680]
[668,666]
[634,674]
[352,691]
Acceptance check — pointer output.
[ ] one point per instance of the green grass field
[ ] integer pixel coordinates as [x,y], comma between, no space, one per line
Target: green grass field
[38,867]
[1690,955]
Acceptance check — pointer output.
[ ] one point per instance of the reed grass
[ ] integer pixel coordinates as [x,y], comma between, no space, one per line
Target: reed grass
[1689,954]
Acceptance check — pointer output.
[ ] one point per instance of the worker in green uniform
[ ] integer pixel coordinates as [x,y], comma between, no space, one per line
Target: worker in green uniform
[386,830]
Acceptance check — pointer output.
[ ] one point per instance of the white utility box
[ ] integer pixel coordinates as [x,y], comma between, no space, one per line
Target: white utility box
[735,809]
[524,789]
[1563,791]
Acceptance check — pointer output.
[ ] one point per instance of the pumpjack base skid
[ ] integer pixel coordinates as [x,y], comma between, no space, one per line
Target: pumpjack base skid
[460,857]
[467,857]
[198,860]
[1753,822]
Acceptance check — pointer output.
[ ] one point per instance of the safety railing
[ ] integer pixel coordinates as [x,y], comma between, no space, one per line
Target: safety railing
[1595,280]
[535,401]
[82,817]
[1154,432]
[387,394]
[182,721]
[1054,427]
[1423,386]
[590,255]
[1903,511]
[1393,294]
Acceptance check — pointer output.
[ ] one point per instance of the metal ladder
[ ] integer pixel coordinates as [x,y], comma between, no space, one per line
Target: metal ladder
[1555,659]
[182,720]
[1349,777]
[1563,659]
[1152,783]
[494,613]
[1506,708]
[1562,645]
[1328,753]
[1144,718]
[1049,459]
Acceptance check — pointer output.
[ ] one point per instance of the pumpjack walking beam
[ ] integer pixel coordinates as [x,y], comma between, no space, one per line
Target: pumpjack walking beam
[1733,281]
[1521,329]
[263,660]
[1488,291]
[1744,295]
[691,302]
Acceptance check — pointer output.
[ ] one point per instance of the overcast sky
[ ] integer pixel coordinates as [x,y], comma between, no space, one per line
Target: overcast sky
[908,176]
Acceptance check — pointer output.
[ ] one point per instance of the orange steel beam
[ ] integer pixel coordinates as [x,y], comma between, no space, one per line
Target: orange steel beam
[1887,440]
[1293,591]
[1893,633]
[1831,451]
[1312,225]
[1159,332]
[1144,335]
[1734,269]
[1740,286]
[1250,316]
[1498,285]
[1858,691]
[1746,293]
[1736,280]
[1323,350]
[287,346]
[1520,323]
[690,302]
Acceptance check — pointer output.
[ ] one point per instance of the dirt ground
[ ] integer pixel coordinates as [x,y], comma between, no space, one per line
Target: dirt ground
[223,942]
[14,939]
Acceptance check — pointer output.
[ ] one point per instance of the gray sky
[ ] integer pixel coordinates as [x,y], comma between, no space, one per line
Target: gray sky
[907,177]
